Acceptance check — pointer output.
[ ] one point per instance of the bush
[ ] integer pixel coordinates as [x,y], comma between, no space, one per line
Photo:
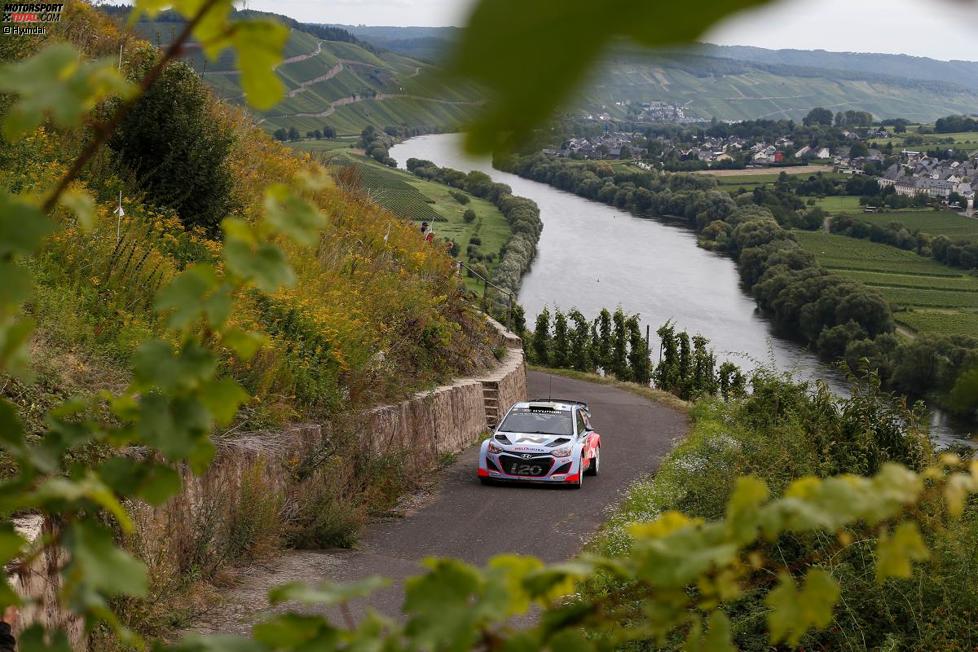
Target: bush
[469,216]
[460,197]
[182,166]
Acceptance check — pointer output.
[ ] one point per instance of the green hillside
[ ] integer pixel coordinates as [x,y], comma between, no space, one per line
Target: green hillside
[344,84]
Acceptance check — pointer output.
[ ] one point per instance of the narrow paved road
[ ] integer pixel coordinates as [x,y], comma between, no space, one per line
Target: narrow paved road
[472,522]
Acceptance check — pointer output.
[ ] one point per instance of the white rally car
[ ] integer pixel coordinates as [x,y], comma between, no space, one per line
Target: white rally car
[548,440]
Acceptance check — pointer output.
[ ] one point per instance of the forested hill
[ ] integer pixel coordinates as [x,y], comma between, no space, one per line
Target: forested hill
[962,73]
[738,83]
[738,89]
[333,79]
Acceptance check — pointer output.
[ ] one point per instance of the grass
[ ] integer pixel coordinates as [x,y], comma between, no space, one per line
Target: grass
[657,395]
[967,140]
[839,204]
[928,297]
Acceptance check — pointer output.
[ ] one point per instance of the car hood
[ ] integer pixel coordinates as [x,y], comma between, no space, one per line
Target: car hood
[534,442]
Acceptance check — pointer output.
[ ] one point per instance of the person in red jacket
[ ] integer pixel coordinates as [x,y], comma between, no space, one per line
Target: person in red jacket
[7,641]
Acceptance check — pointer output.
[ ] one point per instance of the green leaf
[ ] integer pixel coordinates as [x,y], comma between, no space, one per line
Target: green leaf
[244,344]
[14,336]
[260,45]
[743,508]
[292,215]
[214,643]
[98,567]
[439,607]
[570,640]
[22,226]
[263,264]
[292,631]
[89,488]
[11,429]
[11,543]
[174,426]
[82,204]
[716,639]
[895,551]
[56,82]
[36,639]
[223,398]
[194,293]
[156,365]
[154,483]
[15,285]
[531,55]
[794,612]
[326,594]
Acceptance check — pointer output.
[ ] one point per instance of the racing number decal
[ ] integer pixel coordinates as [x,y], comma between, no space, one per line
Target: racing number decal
[527,469]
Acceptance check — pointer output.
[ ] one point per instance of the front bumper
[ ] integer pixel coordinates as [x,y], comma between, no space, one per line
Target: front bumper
[514,467]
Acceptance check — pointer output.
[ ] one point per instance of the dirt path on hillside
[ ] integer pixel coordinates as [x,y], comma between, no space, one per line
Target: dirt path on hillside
[461,518]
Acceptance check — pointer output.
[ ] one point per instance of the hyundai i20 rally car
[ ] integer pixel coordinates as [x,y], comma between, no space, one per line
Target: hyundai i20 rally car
[542,441]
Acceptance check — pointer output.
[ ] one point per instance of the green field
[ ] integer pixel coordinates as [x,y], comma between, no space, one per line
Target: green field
[927,297]
[947,223]
[839,204]
[967,140]
[416,199]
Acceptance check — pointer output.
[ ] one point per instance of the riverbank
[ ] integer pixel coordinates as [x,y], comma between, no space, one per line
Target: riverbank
[592,256]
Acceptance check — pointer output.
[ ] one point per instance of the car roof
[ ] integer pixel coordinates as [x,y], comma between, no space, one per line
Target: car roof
[559,405]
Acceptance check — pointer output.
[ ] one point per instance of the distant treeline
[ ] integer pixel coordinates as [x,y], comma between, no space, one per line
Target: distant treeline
[959,253]
[955,123]
[838,318]
[522,215]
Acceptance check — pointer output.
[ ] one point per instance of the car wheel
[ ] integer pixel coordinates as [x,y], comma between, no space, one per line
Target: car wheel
[595,462]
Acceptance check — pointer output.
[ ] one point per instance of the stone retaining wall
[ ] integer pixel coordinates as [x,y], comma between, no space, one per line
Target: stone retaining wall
[424,428]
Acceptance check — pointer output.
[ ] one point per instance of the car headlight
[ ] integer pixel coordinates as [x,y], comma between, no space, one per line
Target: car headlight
[494,449]
[562,452]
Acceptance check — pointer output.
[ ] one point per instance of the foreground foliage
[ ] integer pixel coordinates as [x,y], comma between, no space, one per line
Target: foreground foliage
[685,568]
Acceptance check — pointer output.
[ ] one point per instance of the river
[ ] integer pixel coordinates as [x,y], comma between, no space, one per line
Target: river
[592,256]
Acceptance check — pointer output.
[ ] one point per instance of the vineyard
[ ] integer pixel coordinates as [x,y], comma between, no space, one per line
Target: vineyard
[928,297]
[946,223]
[388,189]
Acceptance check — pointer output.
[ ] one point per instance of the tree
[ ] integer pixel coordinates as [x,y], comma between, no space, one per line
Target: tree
[469,216]
[818,117]
[329,132]
[639,364]
[294,134]
[580,353]
[858,150]
[541,339]
[619,352]
[182,166]
[603,344]
[560,357]
[281,134]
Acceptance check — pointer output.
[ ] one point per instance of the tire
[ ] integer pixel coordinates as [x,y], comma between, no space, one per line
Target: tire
[485,482]
[595,467]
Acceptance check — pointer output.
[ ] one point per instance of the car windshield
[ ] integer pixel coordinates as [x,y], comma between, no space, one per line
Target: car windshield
[539,422]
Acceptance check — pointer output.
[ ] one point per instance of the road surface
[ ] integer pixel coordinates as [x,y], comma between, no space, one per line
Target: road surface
[471,522]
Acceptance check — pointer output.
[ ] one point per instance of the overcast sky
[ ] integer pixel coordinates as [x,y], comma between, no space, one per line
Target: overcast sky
[941,29]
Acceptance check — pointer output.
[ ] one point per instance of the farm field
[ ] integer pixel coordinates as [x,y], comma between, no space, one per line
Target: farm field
[967,140]
[419,200]
[927,297]
[946,223]
[754,173]
[838,204]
